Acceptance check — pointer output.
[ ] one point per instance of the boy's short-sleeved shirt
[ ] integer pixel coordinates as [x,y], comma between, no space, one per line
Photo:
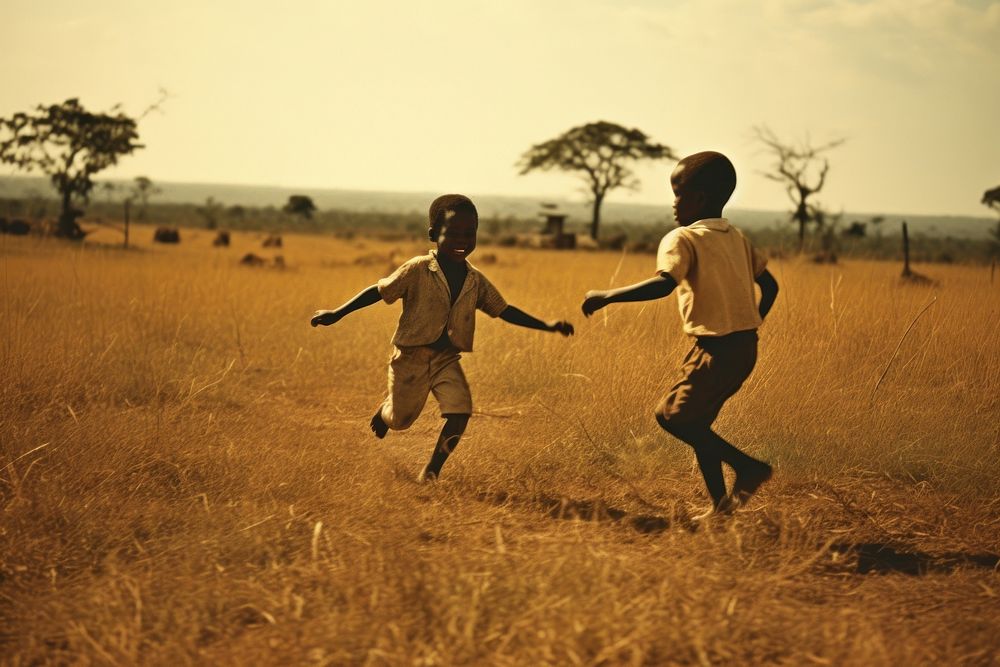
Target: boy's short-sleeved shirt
[714,265]
[427,305]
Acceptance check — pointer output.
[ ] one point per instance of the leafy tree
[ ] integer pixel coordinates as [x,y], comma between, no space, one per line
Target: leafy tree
[211,212]
[600,154]
[300,205]
[70,145]
[991,198]
[857,229]
[143,189]
[802,169]
[109,189]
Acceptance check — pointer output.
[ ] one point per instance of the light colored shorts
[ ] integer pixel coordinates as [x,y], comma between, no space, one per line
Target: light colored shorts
[415,372]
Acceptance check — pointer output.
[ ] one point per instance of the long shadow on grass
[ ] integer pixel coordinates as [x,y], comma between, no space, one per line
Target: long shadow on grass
[589,510]
[881,558]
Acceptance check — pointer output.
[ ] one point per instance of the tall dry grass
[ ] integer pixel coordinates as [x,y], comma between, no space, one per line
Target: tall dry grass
[186,474]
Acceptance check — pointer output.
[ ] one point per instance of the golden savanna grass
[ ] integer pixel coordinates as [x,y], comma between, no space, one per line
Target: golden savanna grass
[187,475]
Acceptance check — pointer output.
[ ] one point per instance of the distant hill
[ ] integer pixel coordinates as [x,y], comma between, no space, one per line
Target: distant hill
[964,227]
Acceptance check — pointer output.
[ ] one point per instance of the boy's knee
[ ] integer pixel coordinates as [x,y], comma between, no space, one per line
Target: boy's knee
[398,422]
[456,421]
[666,417]
[672,426]
[676,424]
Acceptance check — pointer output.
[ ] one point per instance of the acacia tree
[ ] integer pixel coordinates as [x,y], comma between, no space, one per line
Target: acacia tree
[301,205]
[991,198]
[802,170]
[70,145]
[600,154]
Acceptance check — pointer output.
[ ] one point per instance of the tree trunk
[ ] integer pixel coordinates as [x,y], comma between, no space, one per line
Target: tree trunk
[128,205]
[595,220]
[802,217]
[67,227]
[906,252]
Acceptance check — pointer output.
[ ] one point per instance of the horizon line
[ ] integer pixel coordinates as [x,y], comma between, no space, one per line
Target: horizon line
[541,198]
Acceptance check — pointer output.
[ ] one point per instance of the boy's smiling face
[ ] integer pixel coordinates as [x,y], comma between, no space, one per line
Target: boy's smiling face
[457,238]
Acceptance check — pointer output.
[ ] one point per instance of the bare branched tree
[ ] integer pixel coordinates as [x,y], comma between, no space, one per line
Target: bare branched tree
[802,169]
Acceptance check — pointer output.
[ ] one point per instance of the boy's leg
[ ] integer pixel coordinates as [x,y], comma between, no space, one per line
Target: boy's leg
[711,471]
[710,377]
[409,384]
[378,425]
[451,390]
[454,427]
[712,450]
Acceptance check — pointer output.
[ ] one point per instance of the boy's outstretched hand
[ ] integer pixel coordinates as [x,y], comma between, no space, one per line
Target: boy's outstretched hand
[593,301]
[561,327]
[325,317]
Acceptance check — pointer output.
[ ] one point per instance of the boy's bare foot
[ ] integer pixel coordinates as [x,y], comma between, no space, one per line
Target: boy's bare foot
[748,481]
[725,507]
[379,427]
[426,476]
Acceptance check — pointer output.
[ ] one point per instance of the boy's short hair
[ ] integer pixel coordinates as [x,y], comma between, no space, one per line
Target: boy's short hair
[711,173]
[444,208]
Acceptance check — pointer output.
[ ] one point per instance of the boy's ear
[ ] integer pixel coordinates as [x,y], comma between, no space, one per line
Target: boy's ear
[703,199]
[432,234]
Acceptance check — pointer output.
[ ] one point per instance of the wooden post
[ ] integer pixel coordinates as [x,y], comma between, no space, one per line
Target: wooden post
[128,205]
[906,252]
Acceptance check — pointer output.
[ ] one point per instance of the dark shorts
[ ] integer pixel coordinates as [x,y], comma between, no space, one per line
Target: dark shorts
[713,370]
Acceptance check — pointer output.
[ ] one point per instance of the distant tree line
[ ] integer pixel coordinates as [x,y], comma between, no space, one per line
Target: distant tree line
[71,145]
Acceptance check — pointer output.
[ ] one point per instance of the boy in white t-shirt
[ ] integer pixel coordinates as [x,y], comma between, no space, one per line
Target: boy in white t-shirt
[714,268]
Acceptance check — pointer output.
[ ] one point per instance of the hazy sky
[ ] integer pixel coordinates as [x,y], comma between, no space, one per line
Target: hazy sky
[445,96]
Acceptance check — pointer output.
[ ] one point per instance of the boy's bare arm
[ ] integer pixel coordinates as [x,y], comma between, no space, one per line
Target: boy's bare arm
[363,299]
[768,292]
[515,315]
[654,288]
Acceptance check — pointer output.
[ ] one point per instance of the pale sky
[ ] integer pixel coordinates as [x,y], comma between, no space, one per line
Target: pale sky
[445,96]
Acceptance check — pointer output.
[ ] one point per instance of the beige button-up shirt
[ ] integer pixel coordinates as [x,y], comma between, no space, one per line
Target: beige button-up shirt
[427,306]
[715,267]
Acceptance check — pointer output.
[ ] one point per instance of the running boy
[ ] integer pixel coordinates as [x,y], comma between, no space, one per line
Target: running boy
[441,292]
[714,267]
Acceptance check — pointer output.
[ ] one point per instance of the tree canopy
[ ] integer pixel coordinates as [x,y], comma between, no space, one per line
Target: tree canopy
[300,205]
[991,198]
[70,144]
[142,189]
[600,154]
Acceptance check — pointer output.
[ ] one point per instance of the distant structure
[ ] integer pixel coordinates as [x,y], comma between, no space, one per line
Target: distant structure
[15,227]
[553,234]
[166,235]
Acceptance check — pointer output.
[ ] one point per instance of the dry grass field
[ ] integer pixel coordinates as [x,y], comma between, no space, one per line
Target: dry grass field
[187,475]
